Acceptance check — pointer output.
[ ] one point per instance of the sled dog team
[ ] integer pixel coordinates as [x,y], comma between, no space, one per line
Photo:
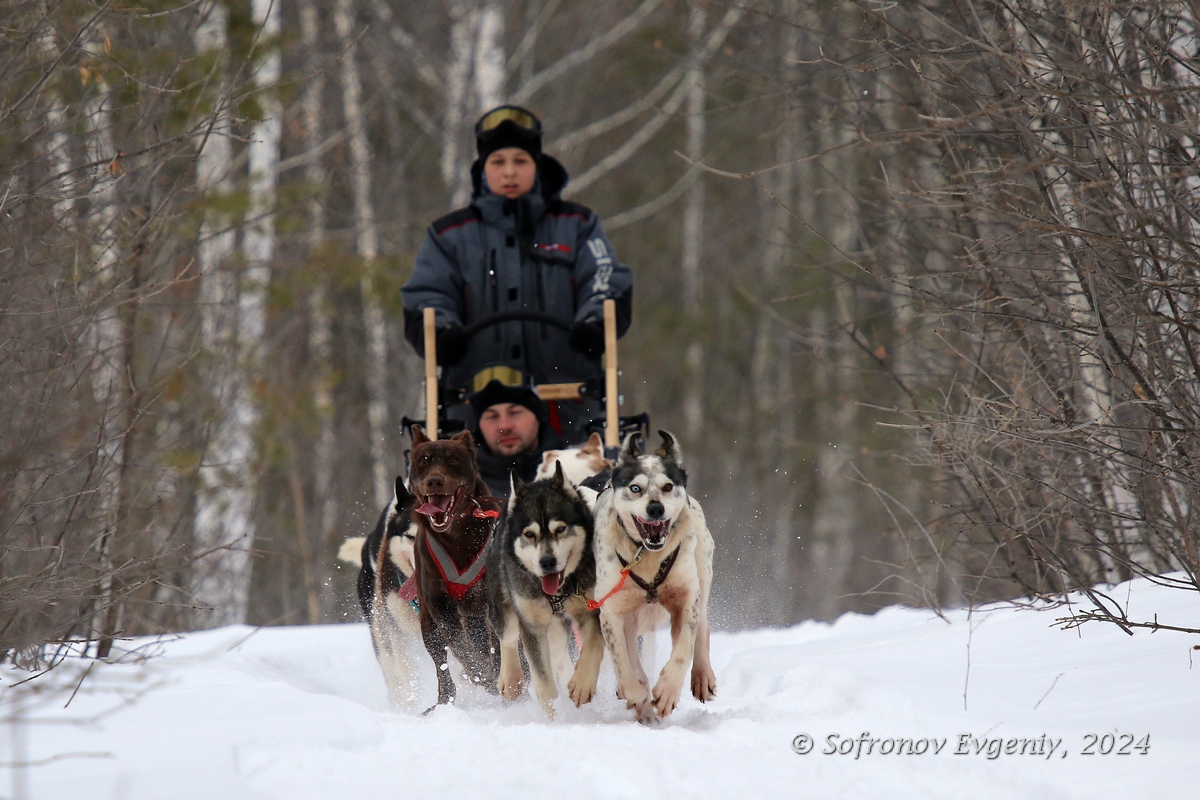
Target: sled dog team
[591,552]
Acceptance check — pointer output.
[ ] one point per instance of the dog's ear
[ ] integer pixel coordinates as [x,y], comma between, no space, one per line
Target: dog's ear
[631,450]
[418,435]
[402,495]
[670,448]
[516,490]
[465,439]
[560,482]
[594,445]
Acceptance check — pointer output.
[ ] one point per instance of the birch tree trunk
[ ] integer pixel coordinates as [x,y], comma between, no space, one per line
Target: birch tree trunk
[233,323]
[105,338]
[693,221]
[366,240]
[58,151]
[320,336]
[458,75]
[771,374]
[489,56]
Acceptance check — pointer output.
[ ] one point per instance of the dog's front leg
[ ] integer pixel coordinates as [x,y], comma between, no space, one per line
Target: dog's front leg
[634,692]
[537,651]
[683,644]
[438,645]
[512,682]
[704,680]
[582,687]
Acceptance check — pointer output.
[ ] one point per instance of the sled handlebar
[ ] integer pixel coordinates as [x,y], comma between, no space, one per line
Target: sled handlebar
[515,316]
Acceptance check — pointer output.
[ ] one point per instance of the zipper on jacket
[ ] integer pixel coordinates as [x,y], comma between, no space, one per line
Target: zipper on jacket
[495,291]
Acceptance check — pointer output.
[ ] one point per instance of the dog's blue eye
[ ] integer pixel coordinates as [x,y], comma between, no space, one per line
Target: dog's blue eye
[635,489]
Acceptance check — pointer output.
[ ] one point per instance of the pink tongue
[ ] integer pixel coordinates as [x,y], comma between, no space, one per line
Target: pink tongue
[429,509]
[551,582]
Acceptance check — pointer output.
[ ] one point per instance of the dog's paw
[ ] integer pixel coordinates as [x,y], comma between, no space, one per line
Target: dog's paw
[509,689]
[581,691]
[510,681]
[704,684]
[666,695]
[582,688]
[646,713]
[636,697]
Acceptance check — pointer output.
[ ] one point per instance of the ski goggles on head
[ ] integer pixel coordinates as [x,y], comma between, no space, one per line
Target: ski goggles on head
[514,114]
[506,375]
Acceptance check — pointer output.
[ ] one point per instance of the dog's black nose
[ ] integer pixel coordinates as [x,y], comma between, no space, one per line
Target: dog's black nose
[548,563]
[654,510]
[434,484]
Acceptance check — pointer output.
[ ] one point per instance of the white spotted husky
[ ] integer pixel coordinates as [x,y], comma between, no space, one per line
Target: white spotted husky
[540,574]
[654,554]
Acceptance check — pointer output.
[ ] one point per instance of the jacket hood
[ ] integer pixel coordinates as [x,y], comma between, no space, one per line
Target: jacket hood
[552,178]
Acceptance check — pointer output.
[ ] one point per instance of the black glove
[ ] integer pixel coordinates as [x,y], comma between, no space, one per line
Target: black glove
[452,342]
[587,337]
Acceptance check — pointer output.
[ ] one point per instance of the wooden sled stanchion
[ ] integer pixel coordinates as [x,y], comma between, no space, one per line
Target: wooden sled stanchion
[431,389]
[612,424]
[578,390]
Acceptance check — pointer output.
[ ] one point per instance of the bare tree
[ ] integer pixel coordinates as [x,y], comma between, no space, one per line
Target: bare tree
[1055,247]
[96,359]
[233,326]
[367,247]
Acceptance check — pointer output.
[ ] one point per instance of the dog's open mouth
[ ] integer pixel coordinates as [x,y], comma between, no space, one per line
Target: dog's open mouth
[552,583]
[653,531]
[439,508]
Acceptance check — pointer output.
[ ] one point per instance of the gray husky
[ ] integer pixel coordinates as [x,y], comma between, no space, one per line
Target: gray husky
[540,575]
[654,554]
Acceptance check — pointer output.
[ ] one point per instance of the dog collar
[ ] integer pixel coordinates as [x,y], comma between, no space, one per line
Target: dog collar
[457,583]
[483,513]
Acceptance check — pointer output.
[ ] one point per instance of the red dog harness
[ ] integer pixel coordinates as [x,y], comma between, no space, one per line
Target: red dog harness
[457,583]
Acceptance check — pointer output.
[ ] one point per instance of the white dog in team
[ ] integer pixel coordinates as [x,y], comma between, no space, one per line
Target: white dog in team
[578,463]
[654,554]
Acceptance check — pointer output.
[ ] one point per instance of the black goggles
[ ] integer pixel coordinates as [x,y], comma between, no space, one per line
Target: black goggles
[515,114]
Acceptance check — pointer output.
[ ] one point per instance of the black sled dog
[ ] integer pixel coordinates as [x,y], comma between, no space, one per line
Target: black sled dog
[387,593]
[541,572]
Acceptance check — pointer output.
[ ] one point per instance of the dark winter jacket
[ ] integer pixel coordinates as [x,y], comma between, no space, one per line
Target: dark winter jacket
[537,252]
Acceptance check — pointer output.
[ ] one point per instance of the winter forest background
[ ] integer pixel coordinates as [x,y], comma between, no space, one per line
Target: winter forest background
[916,287]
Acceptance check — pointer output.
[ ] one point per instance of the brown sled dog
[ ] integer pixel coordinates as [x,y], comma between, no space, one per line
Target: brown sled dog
[454,514]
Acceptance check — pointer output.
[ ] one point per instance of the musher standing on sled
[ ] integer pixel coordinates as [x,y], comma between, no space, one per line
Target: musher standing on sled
[518,246]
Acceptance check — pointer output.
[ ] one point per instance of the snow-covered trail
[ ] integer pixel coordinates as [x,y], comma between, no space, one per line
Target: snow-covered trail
[300,712]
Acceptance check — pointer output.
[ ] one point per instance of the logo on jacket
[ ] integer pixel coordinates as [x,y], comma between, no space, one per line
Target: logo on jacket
[604,265]
[553,247]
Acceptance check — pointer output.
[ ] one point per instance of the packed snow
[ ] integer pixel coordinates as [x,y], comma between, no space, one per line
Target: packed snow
[996,702]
